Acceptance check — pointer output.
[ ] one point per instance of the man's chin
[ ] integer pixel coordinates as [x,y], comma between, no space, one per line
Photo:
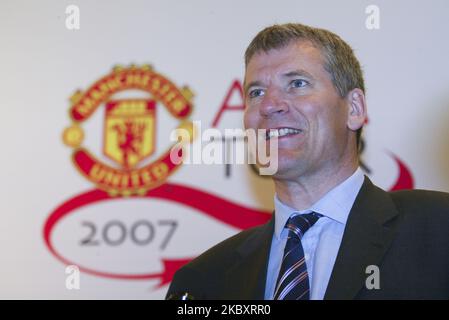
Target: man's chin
[278,169]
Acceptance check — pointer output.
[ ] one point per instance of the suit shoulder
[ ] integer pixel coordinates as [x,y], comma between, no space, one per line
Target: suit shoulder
[204,277]
[223,253]
[433,204]
[422,198]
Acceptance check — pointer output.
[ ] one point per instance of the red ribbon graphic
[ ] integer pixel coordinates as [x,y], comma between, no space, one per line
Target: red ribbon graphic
[223,210]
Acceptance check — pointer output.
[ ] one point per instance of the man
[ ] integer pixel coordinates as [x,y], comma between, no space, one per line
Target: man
[334,235]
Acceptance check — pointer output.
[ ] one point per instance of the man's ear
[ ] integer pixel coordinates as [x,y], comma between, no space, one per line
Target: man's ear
[357,113]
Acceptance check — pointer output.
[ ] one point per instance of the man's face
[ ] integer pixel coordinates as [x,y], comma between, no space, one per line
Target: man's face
[289,88]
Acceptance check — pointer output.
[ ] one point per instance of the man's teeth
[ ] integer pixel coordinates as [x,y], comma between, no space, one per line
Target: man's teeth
[281,132]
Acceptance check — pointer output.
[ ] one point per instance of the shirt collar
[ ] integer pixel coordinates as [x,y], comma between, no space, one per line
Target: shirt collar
[336,204]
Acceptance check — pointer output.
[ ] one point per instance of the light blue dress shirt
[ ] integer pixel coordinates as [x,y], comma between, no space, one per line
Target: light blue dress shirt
[321,242]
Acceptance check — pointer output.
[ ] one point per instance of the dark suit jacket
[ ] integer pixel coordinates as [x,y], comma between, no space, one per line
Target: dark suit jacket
[404,233]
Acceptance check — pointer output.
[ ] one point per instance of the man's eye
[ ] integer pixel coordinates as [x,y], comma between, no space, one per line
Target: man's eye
[299,83]
[256,93]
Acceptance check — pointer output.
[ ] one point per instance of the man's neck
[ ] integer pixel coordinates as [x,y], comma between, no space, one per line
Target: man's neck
[303,192]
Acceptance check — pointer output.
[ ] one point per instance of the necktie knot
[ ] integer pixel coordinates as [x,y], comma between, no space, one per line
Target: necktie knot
[293,279]
[298,224]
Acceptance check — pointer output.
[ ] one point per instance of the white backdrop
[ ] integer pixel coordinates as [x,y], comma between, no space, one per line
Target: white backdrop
[199,43]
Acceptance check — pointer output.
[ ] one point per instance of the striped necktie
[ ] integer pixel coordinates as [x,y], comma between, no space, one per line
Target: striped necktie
[293,280]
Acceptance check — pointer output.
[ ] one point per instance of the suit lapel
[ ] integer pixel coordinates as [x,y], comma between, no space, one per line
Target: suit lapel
[247,277]
[365,241]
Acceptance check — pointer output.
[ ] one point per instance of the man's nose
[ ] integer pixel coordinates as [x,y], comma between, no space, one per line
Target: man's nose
[273,104]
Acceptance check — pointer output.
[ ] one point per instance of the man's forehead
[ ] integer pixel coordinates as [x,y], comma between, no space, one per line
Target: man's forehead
[298,55]
[294,49]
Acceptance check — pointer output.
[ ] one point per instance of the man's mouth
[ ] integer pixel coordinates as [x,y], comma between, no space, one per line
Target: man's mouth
[281,132]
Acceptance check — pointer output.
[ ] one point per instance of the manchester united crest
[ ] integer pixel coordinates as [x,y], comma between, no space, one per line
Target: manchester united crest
[129,129]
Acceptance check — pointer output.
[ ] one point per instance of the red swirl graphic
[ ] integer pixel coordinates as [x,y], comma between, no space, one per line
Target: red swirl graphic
[222,210]
[405,178]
